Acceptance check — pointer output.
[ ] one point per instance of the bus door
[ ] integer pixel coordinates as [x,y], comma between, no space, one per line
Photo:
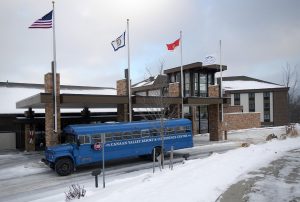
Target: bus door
[84,155]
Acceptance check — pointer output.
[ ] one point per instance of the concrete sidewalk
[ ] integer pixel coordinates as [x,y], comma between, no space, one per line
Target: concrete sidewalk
[280,181]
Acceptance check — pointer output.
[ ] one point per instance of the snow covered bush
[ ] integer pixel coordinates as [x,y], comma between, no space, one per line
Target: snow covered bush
[75,192]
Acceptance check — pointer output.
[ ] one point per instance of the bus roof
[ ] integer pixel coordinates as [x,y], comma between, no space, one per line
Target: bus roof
[80,129]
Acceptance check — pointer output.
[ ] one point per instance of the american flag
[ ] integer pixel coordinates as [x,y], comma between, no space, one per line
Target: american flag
[44,23]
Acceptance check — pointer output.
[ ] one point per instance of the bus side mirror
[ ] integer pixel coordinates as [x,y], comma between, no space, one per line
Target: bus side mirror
[78,143]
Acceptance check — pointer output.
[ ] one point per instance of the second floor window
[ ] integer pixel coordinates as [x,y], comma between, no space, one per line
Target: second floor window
[203,85]
[187,89]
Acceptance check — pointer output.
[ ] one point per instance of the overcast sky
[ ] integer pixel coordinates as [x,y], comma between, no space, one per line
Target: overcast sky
[258,37]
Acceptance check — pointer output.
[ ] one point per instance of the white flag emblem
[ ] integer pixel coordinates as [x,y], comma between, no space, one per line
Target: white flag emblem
[208,60]
[119,42]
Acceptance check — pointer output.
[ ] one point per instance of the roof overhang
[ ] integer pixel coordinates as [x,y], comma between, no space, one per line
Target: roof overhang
[35,101]
[112,101]
[73,101]
[196,65]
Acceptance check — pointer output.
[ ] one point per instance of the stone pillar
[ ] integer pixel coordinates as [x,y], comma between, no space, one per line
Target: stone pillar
[213,91]
[194,121]
[51,137]
[29,137]
[122,109]
[214,123]
[174,89]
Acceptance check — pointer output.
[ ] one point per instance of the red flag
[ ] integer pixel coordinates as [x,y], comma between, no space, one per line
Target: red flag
[173,45]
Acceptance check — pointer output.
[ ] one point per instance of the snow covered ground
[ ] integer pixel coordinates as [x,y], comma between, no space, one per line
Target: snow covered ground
[193,180]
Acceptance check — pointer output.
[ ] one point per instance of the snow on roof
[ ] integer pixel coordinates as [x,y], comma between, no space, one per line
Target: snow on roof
[143,83]
[10,96]
[248,85]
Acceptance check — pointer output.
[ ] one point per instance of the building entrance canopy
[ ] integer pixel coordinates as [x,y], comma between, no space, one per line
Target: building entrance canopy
[110,101]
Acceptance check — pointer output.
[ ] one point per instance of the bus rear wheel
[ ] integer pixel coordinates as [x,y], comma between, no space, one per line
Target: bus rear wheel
[64,167]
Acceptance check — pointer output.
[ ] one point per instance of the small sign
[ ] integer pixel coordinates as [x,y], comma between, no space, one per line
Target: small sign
[97,146]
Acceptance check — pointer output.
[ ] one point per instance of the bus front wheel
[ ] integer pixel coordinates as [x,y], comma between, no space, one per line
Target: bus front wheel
[64,166]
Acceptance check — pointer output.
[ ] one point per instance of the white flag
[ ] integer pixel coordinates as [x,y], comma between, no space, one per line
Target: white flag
[119,42]
[209,59]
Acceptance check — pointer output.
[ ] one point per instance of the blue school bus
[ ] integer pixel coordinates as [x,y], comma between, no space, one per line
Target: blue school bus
[84,142]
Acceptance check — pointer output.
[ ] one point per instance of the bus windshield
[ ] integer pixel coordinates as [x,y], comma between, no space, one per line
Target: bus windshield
[69,138]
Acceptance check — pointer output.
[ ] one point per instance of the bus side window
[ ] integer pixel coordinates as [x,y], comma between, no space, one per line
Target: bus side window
[170,131]
[108,137]
[96,138]
[127,136]
[154,132]
[136,134]
[84,139]
[188,129]
[145,133]
[117,136]
[87,139]
[180,129]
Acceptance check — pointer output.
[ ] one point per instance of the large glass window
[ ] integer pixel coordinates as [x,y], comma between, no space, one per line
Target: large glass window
[177,77]
[196,84]
[203,85]
[210,79]
[187,89]
[251,102]
[172,78]
[267,107]
[203,119]
[236,99]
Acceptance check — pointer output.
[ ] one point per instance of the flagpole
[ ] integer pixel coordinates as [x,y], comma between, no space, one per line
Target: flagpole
[221,71]
[181,72]
[54,72]
[129,83]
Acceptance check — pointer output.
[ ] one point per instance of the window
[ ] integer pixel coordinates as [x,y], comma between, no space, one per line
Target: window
[170,131]
[155,132]
[154,92]
[266,95]
[172,78]
[145,133]
[180,129]
[267,107]
[210,79]
[96,138]
[196,84]
[136,134]
[203,85]
[188,129]
[117,136]
[187,84]
[251,102]
[84,139]
[177,77]
[108,137]
[236,98]
[127,136]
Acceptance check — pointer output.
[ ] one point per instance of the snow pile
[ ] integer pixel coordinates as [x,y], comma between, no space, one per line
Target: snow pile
[196,180]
